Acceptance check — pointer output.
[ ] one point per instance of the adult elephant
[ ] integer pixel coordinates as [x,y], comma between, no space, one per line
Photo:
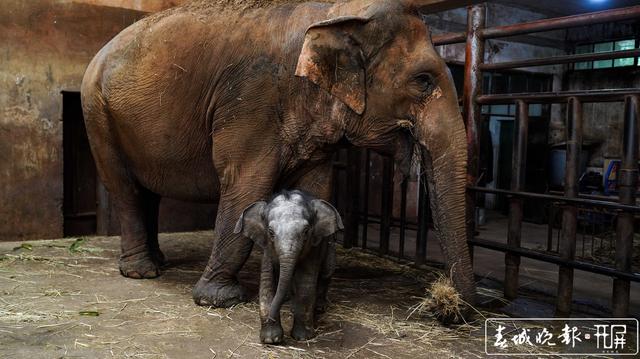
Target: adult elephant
[227,101]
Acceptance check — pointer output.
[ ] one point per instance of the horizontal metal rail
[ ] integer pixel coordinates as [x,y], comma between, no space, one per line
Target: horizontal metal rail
[449,38]
[617,95]
[552,198]
[533,254]
[560,60]
[626,13]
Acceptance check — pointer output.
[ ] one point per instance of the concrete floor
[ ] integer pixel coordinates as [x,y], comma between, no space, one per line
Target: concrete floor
[60,300]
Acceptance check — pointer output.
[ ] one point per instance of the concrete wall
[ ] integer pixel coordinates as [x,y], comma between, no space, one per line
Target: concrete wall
[45,46]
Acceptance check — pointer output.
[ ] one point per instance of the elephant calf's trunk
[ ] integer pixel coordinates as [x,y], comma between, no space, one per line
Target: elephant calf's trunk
[287,267]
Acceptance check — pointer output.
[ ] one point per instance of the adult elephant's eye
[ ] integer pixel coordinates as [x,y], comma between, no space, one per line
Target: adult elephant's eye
[424,82]
[271,232]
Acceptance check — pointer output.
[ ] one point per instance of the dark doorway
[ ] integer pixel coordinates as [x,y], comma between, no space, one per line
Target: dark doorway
[79,206]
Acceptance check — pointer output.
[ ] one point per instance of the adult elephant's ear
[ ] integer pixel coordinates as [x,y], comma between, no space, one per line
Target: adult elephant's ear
[332,58]
[252,225]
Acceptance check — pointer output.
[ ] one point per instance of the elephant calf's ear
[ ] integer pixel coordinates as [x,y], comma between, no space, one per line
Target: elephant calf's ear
[332,59]
[328,219]
[251,224]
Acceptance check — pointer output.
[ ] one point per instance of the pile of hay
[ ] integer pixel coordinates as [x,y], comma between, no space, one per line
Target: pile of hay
[443,302]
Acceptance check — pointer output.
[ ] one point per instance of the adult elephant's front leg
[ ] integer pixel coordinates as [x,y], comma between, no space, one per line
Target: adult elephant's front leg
[219,286]
[319,183]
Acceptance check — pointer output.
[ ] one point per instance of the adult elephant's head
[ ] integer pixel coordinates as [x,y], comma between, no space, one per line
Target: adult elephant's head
[377,58]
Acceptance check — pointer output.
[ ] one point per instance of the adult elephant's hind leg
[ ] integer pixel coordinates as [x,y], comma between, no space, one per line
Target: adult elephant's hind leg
[140,253]
[151,209]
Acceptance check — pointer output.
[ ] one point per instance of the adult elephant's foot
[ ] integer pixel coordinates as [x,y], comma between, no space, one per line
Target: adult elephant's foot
[218,294]
[271,333]
[301,332]
[159,257]
[139,268]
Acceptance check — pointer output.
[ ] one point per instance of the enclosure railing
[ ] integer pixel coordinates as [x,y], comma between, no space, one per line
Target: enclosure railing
[472,100]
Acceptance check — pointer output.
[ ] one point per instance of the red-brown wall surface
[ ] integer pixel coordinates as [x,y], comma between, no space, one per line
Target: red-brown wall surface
[45,46]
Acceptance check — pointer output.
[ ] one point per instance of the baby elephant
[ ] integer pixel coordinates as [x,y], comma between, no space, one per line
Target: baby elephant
[294,232]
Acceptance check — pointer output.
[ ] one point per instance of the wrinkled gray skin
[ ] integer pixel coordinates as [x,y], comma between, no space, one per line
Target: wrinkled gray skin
[295,232]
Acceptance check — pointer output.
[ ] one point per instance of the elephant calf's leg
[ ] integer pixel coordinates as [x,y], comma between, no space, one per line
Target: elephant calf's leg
[306,282]
[324,279]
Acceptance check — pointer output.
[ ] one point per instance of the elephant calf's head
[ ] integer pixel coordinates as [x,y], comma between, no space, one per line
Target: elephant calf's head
[288,227]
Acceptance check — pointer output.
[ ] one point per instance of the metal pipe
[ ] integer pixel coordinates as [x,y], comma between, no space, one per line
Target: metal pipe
[351,229]
[386,208]
[617,95]
[627,13]
[476,19]
[365,202]
[560,60]
[570,213]
[403,215]
[423,220]
[449,38]
[518,170]
[549,258]
[627,188]
[552,198]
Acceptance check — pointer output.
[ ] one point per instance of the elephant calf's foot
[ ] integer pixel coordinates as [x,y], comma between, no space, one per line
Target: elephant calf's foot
[301,332]
[271,333]
[140,268]
[215,294]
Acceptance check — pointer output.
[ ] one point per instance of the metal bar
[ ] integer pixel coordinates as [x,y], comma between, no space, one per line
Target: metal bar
[547,197]
[403,215]
[351,206]
[423,220]
[518,170]
[471,110]
[626,13]
[449,38]
[432,6]
[386,208]
[570,213]
[365,202]
[552,216]
[395,222]
[627,188]
[549,258]
[560,60]
[617,95]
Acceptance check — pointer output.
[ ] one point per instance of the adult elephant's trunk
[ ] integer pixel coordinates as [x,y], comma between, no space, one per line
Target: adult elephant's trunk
[287,267]
[442,138]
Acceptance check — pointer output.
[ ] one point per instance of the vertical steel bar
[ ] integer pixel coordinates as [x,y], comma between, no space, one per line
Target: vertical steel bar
[518,170]
[423,220]
[403,215]
[552,216]
[474,57]
[628,183]
[570,212]
[353,192]
[386,209]
[365,200]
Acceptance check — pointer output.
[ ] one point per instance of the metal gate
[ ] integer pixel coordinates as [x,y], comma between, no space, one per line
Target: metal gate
[354,170]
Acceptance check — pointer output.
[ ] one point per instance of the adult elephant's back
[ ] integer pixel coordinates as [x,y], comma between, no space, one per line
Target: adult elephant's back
[155,94]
